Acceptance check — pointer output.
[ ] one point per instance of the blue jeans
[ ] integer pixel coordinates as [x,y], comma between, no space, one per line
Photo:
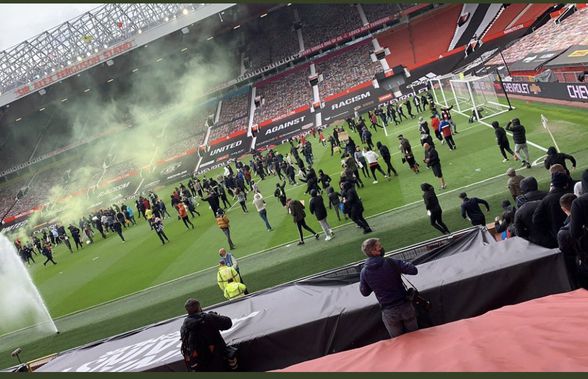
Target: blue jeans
[400,319]
[263,215]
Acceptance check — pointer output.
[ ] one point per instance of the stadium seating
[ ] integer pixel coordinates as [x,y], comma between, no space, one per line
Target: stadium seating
[270,38]
[288,91]
[234,107]
[347,69]
[423,39]
[375,12]
[549,37]
[323,22]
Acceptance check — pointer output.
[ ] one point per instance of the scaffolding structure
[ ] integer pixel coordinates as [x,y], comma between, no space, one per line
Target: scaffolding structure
[82,37]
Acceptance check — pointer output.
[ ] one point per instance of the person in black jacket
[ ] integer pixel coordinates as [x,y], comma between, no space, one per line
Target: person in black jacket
[354,207]
[566,243]
[502,140]
[520,140]
[470,208]
[280,193]
[432,160]
[334,201]
[203,347]
[505,222]
[548,214]
[529,188]
[579,219]
[553,157]
[296,209]
[318,209]
[433,208]
[386,156]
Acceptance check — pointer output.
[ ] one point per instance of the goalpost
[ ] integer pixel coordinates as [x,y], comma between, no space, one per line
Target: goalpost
[474,97]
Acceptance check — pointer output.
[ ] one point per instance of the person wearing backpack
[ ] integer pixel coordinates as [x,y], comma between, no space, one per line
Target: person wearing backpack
[203,347]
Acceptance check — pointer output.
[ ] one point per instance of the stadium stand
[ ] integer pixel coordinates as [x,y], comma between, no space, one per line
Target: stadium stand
[549,37]
[234,107]
[287,91]
[413,43]
[375,12]
[224,130]
[516,14]
[347,68]
[270,38]
[317,28]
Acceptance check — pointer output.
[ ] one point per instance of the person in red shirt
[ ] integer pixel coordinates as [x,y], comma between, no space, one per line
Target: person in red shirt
[435,125]
[183,214]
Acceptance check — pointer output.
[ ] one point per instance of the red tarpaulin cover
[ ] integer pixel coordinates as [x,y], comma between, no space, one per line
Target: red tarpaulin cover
[545,334]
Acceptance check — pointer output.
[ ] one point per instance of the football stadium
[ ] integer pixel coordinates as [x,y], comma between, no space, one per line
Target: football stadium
[288,187]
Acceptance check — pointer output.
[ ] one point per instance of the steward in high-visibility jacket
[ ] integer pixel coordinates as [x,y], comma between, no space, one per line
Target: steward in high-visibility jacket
[224,274]
[234,290]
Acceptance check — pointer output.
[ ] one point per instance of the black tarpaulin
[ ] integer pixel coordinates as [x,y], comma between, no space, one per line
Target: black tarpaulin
[533,61]
[297,322]
[576,55]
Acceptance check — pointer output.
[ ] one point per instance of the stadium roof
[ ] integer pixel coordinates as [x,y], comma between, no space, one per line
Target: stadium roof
[90,39]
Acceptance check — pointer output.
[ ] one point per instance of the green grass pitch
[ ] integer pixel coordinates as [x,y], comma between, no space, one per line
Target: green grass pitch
[110,287]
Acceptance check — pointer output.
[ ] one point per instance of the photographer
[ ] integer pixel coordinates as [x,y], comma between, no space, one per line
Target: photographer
[203,347]
[383,277]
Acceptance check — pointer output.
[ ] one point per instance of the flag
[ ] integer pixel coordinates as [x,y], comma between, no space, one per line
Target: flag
[119,24]
[87,38]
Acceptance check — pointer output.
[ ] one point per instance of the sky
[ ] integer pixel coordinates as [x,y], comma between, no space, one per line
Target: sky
[19,22]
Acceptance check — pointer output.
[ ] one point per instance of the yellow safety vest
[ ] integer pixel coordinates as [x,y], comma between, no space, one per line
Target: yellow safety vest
[224,274]
[234,290]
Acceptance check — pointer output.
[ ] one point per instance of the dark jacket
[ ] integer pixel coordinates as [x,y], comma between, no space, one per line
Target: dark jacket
[198,333]
[382,276]
[524,227]
[579,222]
[549,214]
[333,197]
[431,201]
[518,131]
[297,210]
[529,187]
[353,204]
[384,152]
[553,157]
[317,207]
[433,157]
[501,137]
[471,208]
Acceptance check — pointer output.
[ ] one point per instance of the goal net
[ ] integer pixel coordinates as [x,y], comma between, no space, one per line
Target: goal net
[474,97]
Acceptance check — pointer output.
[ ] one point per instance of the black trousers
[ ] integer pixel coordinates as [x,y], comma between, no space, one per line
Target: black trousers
[389,166]
[450,142]
[187,221]
[161,236]
[504,148]
[365,170]
[357,217]
[437,222]
[373,170]
[49,259]
[302,224]
[356,173]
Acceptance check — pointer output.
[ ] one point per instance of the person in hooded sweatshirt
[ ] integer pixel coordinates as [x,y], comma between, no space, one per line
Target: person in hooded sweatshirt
[530,191]
[433,208]
[520,140]
[527,203]
[382,276]
[549,214]
[502,140]
[553,157]
[318,209]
